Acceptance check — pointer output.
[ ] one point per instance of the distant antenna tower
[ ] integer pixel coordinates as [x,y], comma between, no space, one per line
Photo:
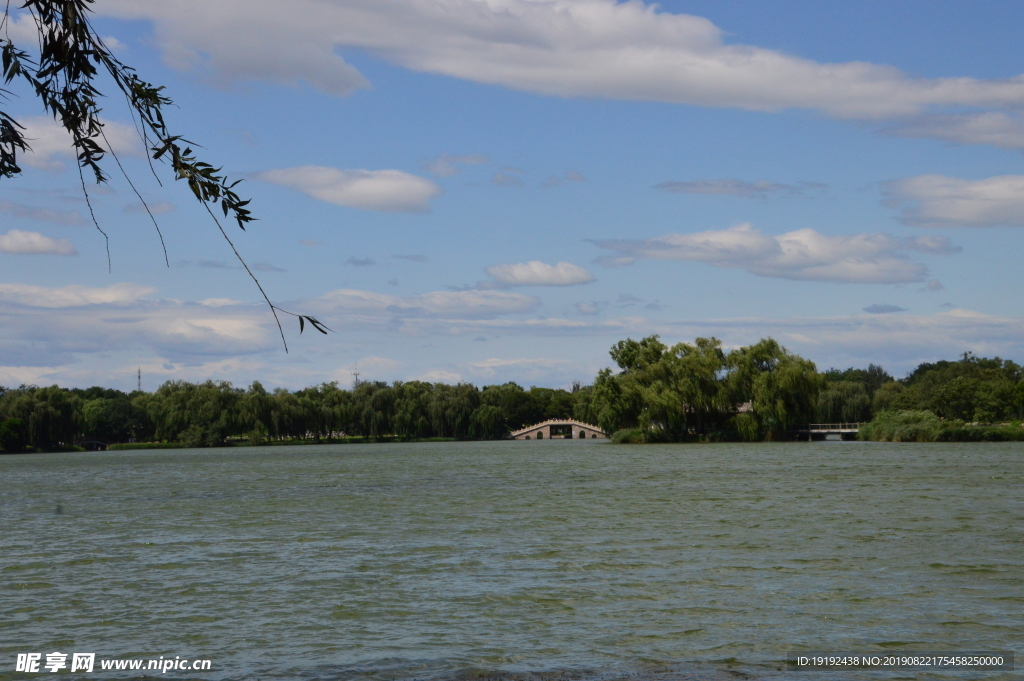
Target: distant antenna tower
[140,379]
[356,381]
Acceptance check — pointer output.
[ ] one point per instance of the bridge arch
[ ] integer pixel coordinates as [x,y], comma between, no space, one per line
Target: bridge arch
[563,429]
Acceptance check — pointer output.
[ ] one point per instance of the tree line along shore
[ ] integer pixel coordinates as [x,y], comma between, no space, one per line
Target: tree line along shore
[688,392]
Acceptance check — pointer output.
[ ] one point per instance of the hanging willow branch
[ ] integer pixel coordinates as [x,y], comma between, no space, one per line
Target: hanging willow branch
[71,56]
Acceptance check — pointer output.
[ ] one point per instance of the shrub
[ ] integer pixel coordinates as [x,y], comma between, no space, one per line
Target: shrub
[746,426]
[924,426]
[999,433]
[630,436]
[903,426]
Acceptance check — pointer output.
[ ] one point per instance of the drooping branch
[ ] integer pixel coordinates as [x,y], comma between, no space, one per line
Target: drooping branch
[71,57]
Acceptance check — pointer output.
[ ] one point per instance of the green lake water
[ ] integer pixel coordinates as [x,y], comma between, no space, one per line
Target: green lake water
[450,560]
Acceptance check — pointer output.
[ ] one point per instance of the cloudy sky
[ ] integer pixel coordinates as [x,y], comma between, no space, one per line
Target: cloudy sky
[494,190]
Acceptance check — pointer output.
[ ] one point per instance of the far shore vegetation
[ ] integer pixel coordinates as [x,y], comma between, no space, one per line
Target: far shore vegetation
[688,392]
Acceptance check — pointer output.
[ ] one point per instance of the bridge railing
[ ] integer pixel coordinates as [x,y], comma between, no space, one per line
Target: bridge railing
[831,426]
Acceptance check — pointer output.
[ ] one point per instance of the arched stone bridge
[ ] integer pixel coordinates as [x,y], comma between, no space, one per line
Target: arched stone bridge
[554,429]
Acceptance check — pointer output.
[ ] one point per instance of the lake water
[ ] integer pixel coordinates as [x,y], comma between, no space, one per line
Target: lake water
[521,560]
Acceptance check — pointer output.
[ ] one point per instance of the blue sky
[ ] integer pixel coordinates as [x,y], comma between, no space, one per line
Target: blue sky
[499,190]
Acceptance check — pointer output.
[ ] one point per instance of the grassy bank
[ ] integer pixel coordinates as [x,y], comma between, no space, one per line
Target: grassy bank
[124,446]
[924,426]
[639,436]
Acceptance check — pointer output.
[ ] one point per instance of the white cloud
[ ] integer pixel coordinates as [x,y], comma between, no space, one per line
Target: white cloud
[803,254]
[440,376]
[994,128]
[47,326]
[565,48]
[98,336]
[897,341]
[525,369]
[591,308]
[114,44]
[82,336]
[26,375]
[219,302]
[22,30]
[446,165]
[570,176]
[18,242]
[536,273]
[444,304]
[940,201]
[551,326]
[51,145]
[72,296]
[59,217]
[884,309]
[734,187]
[224,38]
[391,191]
[506,180]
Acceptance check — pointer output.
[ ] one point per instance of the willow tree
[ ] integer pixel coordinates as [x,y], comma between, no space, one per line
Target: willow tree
[62,71]
[699,391]
[671,393]
[782,387]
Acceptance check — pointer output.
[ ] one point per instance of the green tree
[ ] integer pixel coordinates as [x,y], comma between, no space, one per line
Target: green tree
[285,415]
[551,403]
[112,417]
[367,419]
[681,391]
[956,398]
[618,401]
[13,435]
[639,355]
[322,411]
[256,412]
[872,378]
[55,419]
[844,402]
[199,415]
[411,409]
[488,423]
[972,388]
[782,388]
[451,410]
[885,398]
[585,407]
[974,399]
[698,391]
[518,406]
